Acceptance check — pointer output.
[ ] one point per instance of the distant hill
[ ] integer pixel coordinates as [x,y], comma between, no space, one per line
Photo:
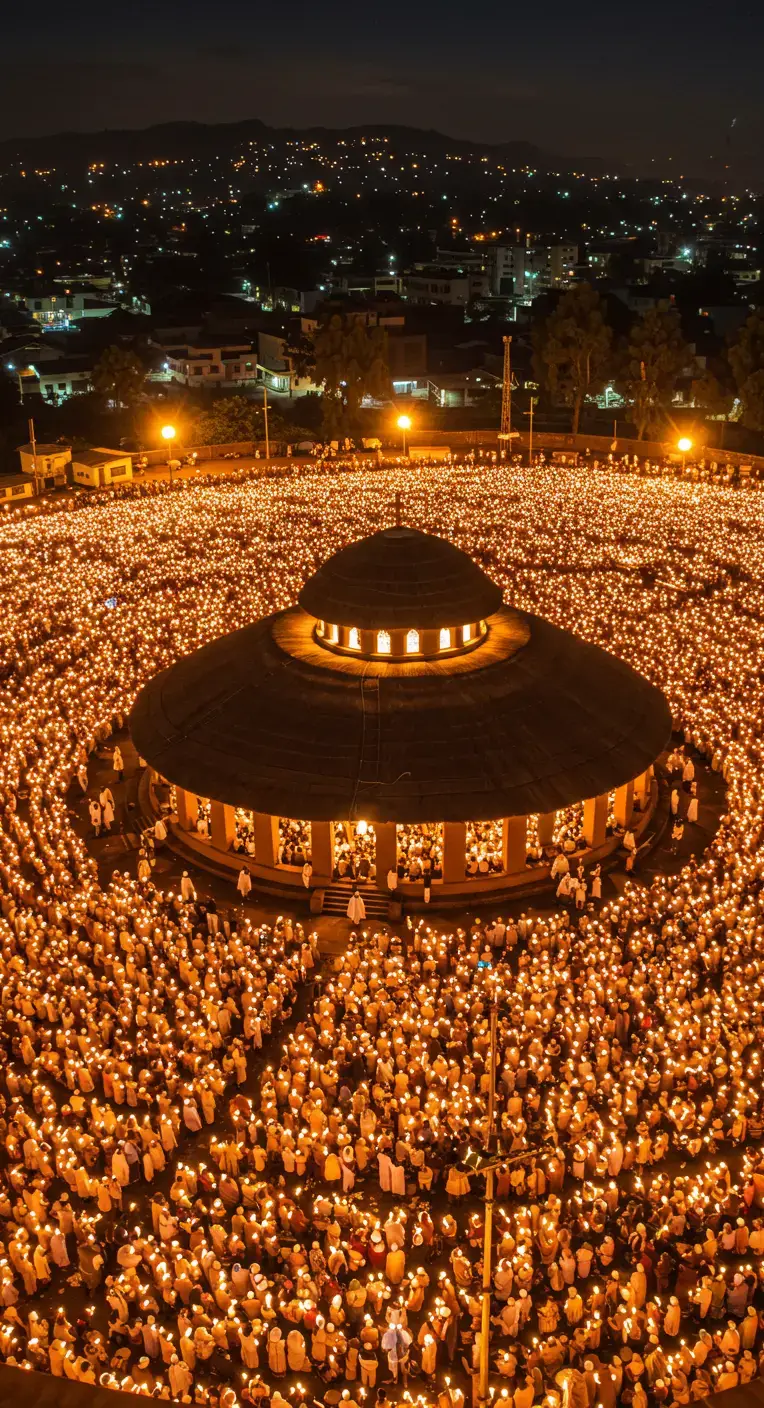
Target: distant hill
[208,140]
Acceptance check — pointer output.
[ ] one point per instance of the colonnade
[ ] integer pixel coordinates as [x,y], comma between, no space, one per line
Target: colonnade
[634,793]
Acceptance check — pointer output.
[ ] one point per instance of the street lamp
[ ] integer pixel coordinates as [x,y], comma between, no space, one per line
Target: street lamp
[168,434]
[404,425]
[684,446]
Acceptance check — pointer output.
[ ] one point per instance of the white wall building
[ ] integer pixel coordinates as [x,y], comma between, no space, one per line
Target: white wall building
[207,364]
[522,272]
[96,469]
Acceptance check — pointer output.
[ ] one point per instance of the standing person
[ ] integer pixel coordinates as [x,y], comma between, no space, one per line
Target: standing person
[677,833]
[187,891]
[396,1341]
[118,762]
[307,872]
[392,882]
[564,886]
[107,808]
[96,816]
[244,882]
[597,882]
[356,910]
[692,809]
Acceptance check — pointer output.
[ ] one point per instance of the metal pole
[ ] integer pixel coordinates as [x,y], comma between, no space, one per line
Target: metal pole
[33,443]
[530,433]
[265,417]
[505,434]
[485,1322]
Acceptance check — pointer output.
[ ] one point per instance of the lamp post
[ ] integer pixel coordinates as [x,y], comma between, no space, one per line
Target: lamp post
[404,425]
[168,434]
[265,421]
[684,445]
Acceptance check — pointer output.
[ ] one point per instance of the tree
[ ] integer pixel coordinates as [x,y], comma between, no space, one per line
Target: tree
[746,358]
[119,376]
[712,393]
[230,419]
[351,362]
[655,356]
[300,352]
[571,348]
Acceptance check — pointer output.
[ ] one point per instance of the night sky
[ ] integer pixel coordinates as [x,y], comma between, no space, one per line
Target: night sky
[652,87]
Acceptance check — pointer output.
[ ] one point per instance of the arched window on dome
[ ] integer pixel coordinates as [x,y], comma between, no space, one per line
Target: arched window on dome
[334,635]
[321,628]
[383,642]
[466,635]
[445,638]
[354,638]
[412,643]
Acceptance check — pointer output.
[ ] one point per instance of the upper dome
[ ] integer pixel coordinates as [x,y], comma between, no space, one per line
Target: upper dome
[397,579]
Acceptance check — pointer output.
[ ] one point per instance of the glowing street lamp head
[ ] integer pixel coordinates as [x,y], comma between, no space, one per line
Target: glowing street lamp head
[404,422]
[168,432]
[684,444]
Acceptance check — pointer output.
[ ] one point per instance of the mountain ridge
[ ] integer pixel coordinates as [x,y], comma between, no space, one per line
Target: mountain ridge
[180,137]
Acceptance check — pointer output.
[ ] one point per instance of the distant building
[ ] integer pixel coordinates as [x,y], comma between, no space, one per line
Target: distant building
[57,311]
[276,367]
[16,486]
[435,285]
[461,388]
[96,469]
[57,380]
[407,360]
[47,463]
[204,363]
[523,272]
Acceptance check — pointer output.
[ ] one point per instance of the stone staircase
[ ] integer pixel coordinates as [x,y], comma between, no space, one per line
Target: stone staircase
[337,896]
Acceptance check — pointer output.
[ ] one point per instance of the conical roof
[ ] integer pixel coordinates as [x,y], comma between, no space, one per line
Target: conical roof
[397,579]
[531,720]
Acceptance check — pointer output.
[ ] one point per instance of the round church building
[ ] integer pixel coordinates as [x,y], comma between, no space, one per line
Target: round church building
[405,728]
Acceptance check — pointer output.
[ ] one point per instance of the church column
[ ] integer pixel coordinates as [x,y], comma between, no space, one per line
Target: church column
[322,851]
[624,804]
[642,788]
[266,839]
[387,851]
[454,852]
[429,641]
[514,843]
[545,828]
[222,825]
[595,820]
[398,642]
[188,808]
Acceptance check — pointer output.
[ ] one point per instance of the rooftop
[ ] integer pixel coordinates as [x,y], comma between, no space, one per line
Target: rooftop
[400,578]
[531,720]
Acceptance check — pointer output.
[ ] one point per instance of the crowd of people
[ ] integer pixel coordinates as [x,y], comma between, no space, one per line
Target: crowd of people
[420,851]
[228,1180]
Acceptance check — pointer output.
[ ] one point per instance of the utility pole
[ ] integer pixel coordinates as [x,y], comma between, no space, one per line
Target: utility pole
[33,443]
[529,413]
[265,417]
[505,434]
[490,1151]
